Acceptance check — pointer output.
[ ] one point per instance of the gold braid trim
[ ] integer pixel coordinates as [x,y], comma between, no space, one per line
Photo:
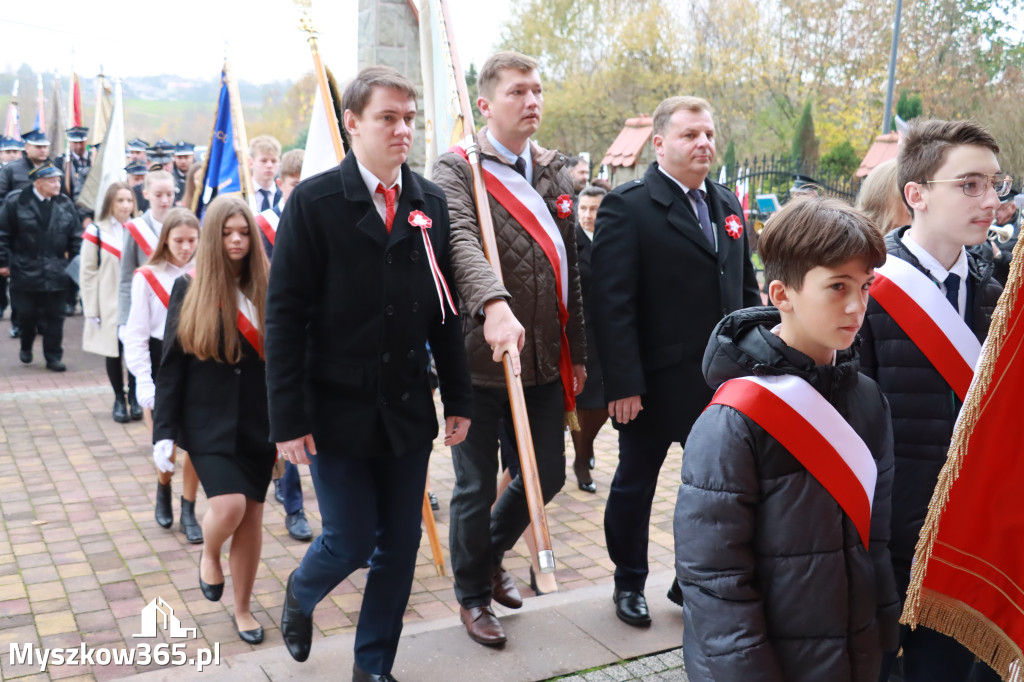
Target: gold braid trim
[929,608]
[572,420]
[972,629]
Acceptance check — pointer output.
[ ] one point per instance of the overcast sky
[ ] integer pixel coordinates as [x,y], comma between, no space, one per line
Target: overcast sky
[189,37]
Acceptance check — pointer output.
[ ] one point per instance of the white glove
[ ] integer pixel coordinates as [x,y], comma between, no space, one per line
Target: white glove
[145,392]
[120,332]
[94,321]
[162,455]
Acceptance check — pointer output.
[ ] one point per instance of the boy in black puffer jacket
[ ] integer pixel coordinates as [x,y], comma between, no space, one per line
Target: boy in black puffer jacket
[782,519]
[932,290]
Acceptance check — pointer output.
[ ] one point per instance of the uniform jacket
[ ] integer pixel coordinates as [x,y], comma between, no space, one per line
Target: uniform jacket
[15,175]
[202,403]
[100,274]
[179,183]
[659,289]
[924,407]
[777,584]
[38,254]
[350,310]
[529,280]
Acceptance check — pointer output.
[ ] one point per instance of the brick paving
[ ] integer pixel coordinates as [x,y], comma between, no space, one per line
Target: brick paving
[80,553]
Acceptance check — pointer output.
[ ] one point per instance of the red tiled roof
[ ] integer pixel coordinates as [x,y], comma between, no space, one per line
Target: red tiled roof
[630,142]
[882,149]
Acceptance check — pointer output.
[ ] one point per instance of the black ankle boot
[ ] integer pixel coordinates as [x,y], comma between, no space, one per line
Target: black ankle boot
[164,514]
[189,526]
[134,409]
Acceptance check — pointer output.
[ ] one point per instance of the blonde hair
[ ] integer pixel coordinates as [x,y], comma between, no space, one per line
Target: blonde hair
[156,176]
[215,337]
[176,217]
[663,113]
[291,163]
[490,73]
[265,144]
[880,196]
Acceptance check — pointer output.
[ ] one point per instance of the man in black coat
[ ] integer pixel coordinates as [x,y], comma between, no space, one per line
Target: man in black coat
[670,260]
[39,233]
[15,175]
[357,289]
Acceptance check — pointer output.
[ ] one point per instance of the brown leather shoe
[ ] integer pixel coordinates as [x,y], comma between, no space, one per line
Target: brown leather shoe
[504,590]
[482,625]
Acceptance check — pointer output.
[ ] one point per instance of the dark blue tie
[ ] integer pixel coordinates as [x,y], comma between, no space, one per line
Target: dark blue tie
[266,199]
[953,290]
[702,214]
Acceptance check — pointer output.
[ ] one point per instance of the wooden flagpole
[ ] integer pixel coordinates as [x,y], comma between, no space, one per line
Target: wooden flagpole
[517,399]
[306,24]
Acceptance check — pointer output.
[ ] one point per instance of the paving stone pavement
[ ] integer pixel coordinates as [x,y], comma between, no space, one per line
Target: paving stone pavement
[81,555]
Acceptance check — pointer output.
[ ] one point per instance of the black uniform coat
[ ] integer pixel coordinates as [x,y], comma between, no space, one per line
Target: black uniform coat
[38,254]
[15,175]
[659,288]
[350,309]
[204,405]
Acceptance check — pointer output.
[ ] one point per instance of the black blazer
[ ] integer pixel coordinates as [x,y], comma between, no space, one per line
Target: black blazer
[659,288]
[592,397]
[350,310]
[202,404]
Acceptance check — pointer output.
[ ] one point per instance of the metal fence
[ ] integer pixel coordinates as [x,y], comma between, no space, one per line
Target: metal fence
[772,175]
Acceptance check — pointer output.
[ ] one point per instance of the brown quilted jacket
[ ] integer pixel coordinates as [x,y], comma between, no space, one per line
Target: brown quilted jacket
[529,279]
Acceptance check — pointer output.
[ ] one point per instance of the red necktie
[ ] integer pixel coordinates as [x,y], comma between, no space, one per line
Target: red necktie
[389,204]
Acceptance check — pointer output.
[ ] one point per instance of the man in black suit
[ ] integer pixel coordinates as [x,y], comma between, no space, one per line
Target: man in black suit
[359,284]
[669,261]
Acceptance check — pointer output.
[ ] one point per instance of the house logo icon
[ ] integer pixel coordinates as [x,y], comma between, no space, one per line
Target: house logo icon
[158,611]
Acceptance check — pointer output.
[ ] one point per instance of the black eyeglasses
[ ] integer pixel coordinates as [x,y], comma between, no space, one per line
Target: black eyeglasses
[975,184]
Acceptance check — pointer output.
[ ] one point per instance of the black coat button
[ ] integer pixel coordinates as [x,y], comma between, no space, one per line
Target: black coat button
[388,258]
[385,358]
[405,397]
[415,255]
[389,310]
[411,355]
[415,306]
[383,402]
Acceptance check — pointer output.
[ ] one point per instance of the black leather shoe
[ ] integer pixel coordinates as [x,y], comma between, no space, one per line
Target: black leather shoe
[588,487]
[675,593]
[278,493]
[163,513]
[188,523]
[25,356]
[434,504]
[120,411]
[15,332]
[55,366]
[298,526]
[249,636]
[360,675]
[296,627]
[214,592]
[134,409]
[631,607]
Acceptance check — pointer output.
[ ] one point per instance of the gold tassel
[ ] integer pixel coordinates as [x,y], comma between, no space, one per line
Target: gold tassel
[572,420]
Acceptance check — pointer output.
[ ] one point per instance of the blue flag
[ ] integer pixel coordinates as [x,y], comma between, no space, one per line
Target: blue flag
[222,164]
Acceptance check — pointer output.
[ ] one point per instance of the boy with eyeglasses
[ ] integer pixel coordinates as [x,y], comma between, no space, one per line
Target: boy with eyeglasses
[930,309]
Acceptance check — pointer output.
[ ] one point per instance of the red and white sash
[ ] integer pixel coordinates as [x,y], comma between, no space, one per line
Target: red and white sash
[268,220]
[925,315]
[92,234]
[528,208]
[811,429]
[143,235]
[155,284]
[247,323]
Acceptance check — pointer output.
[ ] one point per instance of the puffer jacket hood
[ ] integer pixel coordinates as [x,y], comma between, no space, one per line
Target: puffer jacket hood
[743,345]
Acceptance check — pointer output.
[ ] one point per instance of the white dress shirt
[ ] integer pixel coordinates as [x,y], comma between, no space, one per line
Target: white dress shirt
[940,273]
[511,156]
[372,181]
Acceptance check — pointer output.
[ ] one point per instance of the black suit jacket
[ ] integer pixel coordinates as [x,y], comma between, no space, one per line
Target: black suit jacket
[350,310]
[659,288]
[202,405]
[592,397]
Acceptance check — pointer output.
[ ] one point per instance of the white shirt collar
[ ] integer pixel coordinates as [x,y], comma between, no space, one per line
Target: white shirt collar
[371,181]
[38,195]
[932,265]
[511,156]
[686,190]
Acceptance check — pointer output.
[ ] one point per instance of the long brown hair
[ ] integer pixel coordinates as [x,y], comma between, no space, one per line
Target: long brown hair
[176,217]
[108,199]
[203,334]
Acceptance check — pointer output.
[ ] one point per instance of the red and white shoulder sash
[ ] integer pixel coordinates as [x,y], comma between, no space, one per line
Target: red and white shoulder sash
[924,314]
[810,428]
[529,209]
[268,220]
[92,234]
[143,235]
[155,284]
[247,323]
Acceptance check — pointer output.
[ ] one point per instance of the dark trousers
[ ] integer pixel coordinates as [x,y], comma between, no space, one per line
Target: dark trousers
[368,505]
[627,515]
[480,535]
[291,488]
[45,310]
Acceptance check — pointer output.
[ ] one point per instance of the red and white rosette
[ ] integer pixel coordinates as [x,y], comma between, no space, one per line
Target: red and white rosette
[564,205]
[734,227]
[423,222]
